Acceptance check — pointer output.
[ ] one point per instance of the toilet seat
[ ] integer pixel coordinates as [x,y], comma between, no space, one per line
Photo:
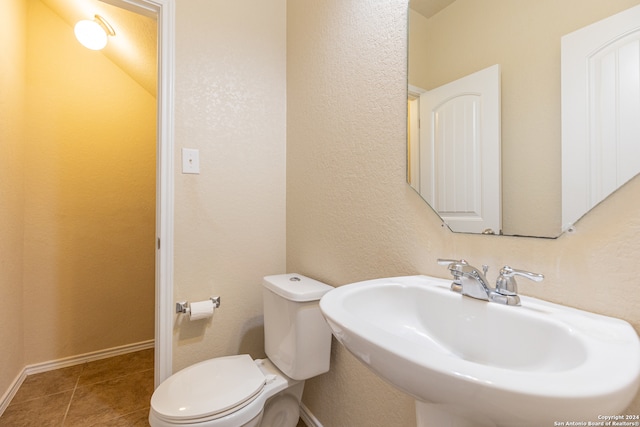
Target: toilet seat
[208,390]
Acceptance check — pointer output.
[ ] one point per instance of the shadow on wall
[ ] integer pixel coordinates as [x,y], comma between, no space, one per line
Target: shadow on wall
[253,338]
[251,341]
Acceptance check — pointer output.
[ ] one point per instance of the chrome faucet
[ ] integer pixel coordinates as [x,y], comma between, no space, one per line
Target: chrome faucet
[469,281]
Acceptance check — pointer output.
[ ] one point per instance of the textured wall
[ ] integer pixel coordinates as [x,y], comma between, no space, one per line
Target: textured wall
[13,34]
[229,219]
[89,198]
[351,216]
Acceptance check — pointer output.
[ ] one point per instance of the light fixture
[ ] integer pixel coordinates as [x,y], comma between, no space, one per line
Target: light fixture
[93,34]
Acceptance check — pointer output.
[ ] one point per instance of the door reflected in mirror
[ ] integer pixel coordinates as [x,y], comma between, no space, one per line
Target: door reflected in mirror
[452,39]
[456,141]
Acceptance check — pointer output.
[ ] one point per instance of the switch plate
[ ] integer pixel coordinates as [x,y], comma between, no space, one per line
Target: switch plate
[190,160]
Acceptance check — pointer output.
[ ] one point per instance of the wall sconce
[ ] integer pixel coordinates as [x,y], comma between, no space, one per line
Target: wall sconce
[93,34]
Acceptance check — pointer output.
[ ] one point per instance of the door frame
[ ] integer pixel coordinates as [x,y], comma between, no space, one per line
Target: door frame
[164,12]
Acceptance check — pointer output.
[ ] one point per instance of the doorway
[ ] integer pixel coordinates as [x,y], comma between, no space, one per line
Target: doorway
[164,11]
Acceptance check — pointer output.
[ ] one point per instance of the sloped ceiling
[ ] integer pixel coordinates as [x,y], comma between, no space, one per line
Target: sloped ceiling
[428,8]
[133,48]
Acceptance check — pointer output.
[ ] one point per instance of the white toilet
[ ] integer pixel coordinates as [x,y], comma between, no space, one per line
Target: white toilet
[236,391]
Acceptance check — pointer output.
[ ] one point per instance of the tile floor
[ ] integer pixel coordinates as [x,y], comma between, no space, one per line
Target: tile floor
[112,392]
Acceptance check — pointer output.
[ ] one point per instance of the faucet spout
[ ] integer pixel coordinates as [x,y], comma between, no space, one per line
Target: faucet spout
[474,283]
[469,281]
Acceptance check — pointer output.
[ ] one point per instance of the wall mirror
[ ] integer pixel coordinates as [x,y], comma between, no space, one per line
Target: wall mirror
[452,39]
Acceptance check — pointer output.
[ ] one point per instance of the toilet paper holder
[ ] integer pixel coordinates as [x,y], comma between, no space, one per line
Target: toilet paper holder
[183,306]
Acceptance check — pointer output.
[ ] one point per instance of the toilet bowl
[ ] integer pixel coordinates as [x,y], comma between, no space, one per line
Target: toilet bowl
[236,391]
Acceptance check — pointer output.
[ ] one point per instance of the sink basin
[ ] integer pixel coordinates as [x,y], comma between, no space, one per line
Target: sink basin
[482,363]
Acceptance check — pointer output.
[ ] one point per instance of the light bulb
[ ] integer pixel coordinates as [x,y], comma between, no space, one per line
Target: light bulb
[90,34]
[93,34]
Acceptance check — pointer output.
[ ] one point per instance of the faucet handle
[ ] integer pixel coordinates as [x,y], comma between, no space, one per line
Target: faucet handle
[510,272]
[453,264]
[443,261]
[506,283]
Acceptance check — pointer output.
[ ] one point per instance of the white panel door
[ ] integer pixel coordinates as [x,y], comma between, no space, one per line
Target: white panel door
[600,111]
[460,152]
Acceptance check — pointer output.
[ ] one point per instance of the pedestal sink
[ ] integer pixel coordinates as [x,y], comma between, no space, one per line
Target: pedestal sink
[474,363]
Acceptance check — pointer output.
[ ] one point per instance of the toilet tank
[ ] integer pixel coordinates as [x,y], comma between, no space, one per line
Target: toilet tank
[297,339]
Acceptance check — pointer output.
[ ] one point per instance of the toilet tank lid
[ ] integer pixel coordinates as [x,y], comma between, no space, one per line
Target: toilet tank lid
[296,287]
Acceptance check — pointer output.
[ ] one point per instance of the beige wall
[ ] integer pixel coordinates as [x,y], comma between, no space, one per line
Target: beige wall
[524,38]
[89,198]
[349,213]
[13,39]
[351,216]
[229,219]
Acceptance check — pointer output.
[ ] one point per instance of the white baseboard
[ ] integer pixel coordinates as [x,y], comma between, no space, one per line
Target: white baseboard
[87,357]
[66,362]
[13,389]
[309,419]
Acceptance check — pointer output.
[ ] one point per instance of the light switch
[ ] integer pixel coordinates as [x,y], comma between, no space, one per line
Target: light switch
[190,160]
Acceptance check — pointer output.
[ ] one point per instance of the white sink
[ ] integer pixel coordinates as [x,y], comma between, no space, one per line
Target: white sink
[476,363]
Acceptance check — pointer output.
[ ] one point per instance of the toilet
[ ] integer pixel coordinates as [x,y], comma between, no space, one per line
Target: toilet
[237,391]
